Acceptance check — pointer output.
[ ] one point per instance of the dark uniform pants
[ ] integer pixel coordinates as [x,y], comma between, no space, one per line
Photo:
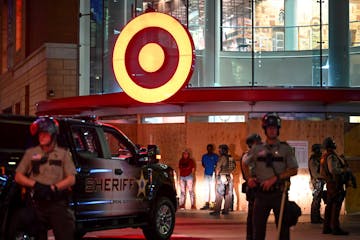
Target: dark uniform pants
[250,197]
[335,197]
[264,203]
[318,189]
[55,215]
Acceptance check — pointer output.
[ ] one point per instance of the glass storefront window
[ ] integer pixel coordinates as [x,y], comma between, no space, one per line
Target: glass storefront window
[236,25]
[280,43]
[299,30]
[354,27]
[196,23]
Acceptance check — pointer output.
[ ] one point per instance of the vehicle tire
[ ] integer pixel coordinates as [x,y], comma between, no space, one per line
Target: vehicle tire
[79,235]
[20,225]
[161,220]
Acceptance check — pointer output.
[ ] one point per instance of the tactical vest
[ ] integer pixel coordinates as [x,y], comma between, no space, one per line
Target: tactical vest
[229,166]
[324,168]
[314,158]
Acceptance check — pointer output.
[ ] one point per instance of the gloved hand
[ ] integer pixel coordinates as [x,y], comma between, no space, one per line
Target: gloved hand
[42,191]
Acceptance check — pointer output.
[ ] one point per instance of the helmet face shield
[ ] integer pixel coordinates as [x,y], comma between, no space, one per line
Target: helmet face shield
[44,124]
[271,120]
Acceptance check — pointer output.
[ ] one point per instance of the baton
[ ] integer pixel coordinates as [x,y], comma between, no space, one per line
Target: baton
[282,207]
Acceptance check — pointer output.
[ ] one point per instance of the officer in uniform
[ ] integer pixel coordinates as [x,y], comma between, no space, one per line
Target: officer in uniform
[48,171]
[317,182]
[270,164]
[333,168]
[251,140]
[224,180]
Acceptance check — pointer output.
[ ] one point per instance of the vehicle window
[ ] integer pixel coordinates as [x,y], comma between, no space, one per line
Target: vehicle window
[86,140]
[16,136]
[118,148]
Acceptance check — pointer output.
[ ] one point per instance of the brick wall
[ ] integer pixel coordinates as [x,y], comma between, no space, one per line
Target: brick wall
[52,68]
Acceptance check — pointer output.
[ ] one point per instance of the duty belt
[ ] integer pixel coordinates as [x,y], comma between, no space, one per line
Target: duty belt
[277,187]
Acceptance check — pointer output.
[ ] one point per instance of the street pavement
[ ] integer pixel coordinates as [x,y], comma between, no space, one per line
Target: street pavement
[199,225]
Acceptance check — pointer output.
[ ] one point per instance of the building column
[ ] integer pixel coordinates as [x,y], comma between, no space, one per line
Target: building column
[84,48]
[291,31]
[338,43]
[209,51]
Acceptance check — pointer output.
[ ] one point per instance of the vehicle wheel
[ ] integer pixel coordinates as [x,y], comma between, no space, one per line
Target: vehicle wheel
[19,228]
[79,235]
[161,220]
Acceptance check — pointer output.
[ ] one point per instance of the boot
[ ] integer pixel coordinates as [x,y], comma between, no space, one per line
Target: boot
[317,220]
[206,206]
[215,213]
[326,230]
[339,231]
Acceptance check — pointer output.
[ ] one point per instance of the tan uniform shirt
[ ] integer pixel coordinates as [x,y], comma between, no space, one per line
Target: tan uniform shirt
[283,158]
[58,165]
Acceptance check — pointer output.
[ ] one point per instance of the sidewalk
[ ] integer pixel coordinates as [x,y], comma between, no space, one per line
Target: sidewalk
[303,230]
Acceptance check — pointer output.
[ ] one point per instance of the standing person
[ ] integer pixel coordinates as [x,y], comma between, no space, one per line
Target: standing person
[187,169]
[253,139]
[333,168]
[318,183]
[224,180]
[48,171]
[209,161]
[271,164]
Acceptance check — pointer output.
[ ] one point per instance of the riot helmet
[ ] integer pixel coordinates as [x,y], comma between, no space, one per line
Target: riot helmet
[45,124]
[271,119]
[316,148]
[224,149]
[329,143]
[253,139]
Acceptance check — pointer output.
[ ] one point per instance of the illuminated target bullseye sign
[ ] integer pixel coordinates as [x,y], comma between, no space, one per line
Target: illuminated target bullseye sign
[153,57]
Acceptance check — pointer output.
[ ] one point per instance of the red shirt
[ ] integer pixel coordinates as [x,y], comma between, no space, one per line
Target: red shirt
[186,166]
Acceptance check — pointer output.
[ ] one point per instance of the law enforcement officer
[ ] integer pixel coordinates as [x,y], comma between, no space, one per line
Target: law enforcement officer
[251,140]
[209,161]
[48,171]
[271,164]
[224,180]
[333,168]
[317,182]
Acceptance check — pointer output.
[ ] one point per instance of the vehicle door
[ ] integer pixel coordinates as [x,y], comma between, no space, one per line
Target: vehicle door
[129,180]
[92,191]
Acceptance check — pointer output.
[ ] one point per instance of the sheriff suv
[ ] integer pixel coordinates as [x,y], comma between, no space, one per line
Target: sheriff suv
[118,184]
